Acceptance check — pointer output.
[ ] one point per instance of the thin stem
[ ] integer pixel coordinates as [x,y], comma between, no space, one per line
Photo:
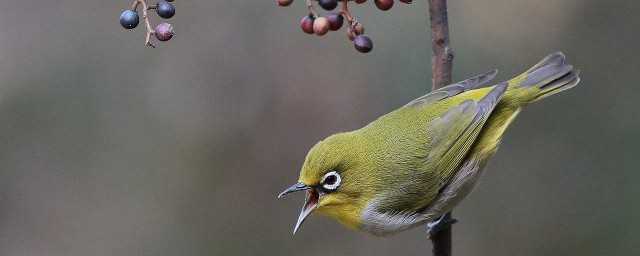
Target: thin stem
[344,9]
[145,16]
[312,11]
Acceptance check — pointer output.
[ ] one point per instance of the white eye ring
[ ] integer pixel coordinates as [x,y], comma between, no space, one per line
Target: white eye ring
[334,183]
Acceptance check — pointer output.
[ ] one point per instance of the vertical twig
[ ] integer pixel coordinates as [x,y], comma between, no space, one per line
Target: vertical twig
[442,240]
[442,59]
[441,65]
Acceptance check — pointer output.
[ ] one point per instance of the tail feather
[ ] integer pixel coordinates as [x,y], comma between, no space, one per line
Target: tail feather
[550,76]
[545,75]
[565,82]
[552,59]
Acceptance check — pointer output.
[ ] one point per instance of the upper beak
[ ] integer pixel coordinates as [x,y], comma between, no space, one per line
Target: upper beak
[296,187]
[310,202]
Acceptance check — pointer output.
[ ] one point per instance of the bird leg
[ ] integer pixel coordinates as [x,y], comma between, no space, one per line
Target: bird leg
[439,224]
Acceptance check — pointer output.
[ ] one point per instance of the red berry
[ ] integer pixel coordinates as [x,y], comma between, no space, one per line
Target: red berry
[335,21]
[307,24]
[360,1]
[284,2]
[384,5]
[406,1]
[363,44]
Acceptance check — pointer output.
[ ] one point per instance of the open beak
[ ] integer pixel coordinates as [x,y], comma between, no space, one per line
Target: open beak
[310,202]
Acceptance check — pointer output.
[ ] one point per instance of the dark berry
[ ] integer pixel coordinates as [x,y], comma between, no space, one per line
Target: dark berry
[328,4]
[164,32]
[406,1]
[384,5]
[165,10]
[307,24]
[129,19]
[321,26]
[360,1]
[363,44]
[335,21]
[284,2]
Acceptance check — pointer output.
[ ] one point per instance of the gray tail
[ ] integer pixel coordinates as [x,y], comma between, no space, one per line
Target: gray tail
[550,76]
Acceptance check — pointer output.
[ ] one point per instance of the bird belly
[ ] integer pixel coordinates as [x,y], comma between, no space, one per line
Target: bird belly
[460,186]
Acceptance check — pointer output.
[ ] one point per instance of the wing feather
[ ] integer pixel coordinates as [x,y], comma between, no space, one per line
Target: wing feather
[452,134]
[453,89]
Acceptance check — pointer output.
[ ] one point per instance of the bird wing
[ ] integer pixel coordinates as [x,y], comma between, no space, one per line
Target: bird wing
[452,135]
[453,89]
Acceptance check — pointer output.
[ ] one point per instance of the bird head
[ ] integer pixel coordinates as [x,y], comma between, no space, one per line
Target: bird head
[330,179]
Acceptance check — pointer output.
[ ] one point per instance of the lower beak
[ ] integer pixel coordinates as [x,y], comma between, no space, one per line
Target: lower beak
[310,204]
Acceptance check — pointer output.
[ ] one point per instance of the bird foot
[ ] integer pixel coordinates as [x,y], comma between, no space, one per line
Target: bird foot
[439,224]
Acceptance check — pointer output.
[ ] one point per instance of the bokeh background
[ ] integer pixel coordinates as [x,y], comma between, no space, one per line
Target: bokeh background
[108,147]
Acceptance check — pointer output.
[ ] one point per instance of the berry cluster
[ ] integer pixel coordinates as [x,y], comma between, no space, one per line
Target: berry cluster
[313,23]
[163,32]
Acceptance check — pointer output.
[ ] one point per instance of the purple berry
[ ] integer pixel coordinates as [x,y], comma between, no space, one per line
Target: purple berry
[335,21]
[165,10]
[363,44]
[164,32]
[328,4]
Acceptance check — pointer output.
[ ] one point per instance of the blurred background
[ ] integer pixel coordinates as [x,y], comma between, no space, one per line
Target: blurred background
[108,147]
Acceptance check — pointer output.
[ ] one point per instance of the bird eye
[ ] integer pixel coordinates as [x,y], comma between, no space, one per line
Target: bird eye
[331,181]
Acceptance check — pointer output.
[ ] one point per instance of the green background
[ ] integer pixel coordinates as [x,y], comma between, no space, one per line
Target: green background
[108,147]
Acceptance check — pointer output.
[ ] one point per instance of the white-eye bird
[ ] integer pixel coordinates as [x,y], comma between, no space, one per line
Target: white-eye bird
[418,162]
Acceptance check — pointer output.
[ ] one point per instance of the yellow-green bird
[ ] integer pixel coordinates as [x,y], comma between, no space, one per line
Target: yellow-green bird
[418,162]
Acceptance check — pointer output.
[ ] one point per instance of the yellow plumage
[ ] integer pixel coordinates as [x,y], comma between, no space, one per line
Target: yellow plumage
[419,161]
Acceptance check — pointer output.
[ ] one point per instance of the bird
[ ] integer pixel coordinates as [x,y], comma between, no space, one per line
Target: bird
[416,163]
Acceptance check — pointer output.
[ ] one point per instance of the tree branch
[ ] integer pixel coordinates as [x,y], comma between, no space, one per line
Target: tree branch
[441,65]
[442,239]
[442,59]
